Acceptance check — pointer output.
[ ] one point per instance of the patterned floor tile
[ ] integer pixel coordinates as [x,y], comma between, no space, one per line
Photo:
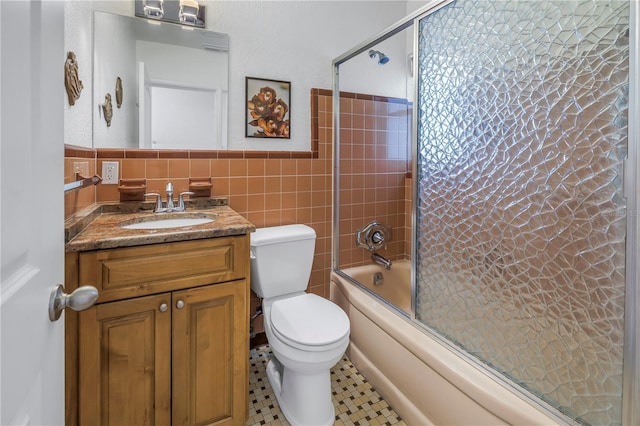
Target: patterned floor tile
[354,400]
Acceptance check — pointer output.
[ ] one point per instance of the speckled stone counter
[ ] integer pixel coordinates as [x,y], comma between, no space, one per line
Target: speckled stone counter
[99,227]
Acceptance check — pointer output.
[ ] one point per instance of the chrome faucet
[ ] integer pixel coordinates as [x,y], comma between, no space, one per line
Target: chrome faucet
[170,206]
[169,191]
[380,260]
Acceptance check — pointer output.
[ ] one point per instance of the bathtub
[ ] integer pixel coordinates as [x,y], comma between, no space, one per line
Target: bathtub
[425,380]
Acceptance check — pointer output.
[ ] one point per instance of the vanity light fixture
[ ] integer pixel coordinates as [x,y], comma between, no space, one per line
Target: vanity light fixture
[188,13]
[153,9]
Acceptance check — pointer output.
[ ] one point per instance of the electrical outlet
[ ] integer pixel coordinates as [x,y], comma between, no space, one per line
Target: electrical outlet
[109,172]
[81,167]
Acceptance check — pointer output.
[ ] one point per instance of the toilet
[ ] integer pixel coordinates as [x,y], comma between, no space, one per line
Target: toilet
[308,334]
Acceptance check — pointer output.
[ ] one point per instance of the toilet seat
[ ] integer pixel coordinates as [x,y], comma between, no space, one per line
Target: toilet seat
[308,322]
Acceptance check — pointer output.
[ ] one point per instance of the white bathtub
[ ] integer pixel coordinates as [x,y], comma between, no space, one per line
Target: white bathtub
[424,380]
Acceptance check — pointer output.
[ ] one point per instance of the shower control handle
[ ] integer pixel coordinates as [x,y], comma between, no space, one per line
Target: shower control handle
[377,237]
[373,236]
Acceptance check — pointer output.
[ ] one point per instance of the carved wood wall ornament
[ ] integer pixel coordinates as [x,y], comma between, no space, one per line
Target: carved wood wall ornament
[71,80]
[119,92]
[107,109]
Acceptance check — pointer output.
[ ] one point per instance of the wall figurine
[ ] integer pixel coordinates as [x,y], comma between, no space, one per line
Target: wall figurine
[72,82]
[118,92]
[107,109]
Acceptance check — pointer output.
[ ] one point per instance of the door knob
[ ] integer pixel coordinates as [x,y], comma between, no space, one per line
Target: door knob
[179,304]
[80,299]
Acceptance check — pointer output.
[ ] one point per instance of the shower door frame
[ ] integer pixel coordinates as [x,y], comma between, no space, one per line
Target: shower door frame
[631,167]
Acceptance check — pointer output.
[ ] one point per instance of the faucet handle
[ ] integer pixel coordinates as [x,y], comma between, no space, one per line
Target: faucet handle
[158,199]
[373,236]
[181,199]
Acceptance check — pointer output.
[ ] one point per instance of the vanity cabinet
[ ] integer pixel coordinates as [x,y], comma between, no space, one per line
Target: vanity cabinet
[167,341]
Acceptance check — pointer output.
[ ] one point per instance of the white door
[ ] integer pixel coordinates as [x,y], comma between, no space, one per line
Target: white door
[31,211]
[144,106]
[185,117]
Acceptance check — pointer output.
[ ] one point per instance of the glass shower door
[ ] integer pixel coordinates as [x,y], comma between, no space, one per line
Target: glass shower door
[521,219]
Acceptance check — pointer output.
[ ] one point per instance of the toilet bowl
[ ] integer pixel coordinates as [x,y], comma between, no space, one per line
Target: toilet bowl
[307,334]
[299,372]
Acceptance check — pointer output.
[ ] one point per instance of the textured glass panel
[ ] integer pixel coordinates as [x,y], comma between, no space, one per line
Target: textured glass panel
[522,130]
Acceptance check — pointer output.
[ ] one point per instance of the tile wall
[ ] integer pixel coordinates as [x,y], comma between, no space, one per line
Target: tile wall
[77,200]
[274,188]
[374,165]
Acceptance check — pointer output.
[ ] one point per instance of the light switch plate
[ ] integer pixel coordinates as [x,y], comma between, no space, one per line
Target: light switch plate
[81,167]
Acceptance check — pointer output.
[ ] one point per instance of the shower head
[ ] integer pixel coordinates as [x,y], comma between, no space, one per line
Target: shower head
[382,58]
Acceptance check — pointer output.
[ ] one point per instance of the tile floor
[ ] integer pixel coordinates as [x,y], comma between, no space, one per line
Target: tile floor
[354,400]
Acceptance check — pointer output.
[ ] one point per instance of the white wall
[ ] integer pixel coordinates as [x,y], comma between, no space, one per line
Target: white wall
[78,37]
[285,40]
[118,59]
[212,66]
[362,74]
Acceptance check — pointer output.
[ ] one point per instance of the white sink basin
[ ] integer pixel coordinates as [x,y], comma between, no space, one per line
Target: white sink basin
[168,223]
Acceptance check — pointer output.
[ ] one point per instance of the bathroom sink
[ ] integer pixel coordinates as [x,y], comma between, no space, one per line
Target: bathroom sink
[165,222]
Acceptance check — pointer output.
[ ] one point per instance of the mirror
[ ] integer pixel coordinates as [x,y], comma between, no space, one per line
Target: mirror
[173,82]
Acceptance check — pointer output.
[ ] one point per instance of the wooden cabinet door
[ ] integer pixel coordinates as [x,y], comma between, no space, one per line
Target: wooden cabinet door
[125,362]
[210,355]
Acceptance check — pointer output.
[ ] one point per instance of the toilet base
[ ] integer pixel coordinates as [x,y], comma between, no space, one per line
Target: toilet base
[303,399]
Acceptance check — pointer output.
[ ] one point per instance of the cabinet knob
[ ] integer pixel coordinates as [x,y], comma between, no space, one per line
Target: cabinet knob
[179,304]
[164,307]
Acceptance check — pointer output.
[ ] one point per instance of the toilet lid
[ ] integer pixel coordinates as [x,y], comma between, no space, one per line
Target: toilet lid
[309,320]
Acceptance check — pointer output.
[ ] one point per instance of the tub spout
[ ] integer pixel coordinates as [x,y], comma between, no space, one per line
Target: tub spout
[380,260]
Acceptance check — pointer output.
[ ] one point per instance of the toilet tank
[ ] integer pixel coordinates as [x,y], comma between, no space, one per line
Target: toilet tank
[281,259]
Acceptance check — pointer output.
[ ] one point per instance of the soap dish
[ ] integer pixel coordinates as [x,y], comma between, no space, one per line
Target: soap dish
[132,189]
[201,187]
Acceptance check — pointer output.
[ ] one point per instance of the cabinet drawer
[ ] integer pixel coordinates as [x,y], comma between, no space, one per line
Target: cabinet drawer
[135,271]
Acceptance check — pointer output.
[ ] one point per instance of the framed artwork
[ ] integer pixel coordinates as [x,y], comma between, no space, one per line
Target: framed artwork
[268,108]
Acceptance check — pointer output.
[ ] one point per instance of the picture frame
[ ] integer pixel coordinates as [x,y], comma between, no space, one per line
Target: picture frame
[267,108]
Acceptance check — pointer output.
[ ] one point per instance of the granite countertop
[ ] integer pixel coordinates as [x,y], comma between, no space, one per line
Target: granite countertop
[98,227]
